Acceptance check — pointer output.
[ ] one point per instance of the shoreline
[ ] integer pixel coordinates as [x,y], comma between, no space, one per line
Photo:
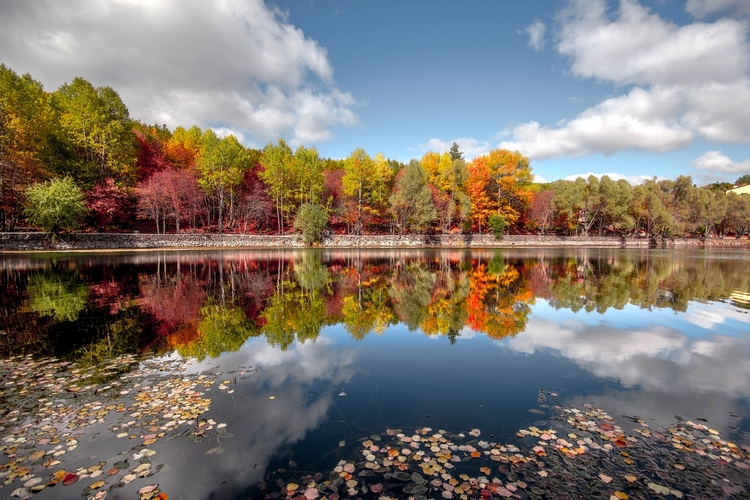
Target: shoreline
[43,242]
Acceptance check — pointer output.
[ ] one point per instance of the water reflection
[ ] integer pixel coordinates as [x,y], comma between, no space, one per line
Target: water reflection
[203,304]
[642,332]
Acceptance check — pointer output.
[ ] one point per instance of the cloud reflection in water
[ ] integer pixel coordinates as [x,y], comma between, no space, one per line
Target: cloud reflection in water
[262,427]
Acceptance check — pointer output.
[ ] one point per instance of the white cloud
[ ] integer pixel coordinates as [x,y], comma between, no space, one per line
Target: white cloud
[471,148]
[632,179]
[229,64]
[702,8]
[639,47]
[654,359]
[716,160]
[536,31]
[690,81]
[641,119]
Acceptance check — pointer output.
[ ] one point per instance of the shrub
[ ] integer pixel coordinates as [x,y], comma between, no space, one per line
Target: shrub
[311,220]
[56,205]
[498,224]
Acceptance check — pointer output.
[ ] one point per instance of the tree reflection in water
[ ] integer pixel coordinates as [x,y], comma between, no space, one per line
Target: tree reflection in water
[203,304]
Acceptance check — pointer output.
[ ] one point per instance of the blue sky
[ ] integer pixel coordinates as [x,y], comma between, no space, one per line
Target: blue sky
[627,88]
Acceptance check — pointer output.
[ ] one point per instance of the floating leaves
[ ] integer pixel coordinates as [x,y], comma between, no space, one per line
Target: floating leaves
[143,401]
[593,458]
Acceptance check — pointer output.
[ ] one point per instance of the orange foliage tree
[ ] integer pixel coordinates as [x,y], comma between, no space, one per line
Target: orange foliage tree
[499,182]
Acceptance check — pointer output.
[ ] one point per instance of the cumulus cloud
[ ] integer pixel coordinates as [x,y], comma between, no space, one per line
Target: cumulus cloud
[690,82]
[702,8]
[639,47]
[536,31]
[717,161]
[231,64]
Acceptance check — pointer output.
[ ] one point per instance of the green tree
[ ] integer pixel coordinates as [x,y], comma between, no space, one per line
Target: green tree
[411,202]
[743,180]
[221,167]
[277,162]
[357,183]
[738,213]
[615,199]
[311,220]
[455,152]
[498,224]
[308,176]
[55,205]
[648,211]
[96,124]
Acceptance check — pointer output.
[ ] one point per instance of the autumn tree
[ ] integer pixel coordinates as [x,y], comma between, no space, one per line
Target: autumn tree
[24,129]
[511,178]
[448,177]
[477,189]
[365,184]
[109,205]
[170,194]
[541,211]
[183,147]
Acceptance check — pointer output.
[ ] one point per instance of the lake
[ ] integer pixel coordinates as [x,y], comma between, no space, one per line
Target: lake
[524,373]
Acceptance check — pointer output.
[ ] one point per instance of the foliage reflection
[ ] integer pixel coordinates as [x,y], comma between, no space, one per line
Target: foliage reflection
[201,305]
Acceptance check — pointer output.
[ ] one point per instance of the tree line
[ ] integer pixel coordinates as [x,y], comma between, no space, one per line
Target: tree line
[74,158]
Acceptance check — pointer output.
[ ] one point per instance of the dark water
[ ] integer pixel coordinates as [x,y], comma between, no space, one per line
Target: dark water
[300,356]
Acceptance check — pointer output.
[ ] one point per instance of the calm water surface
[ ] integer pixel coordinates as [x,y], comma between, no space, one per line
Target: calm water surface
[232,374]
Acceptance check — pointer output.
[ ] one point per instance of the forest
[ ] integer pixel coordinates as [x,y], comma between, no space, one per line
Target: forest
[74,159]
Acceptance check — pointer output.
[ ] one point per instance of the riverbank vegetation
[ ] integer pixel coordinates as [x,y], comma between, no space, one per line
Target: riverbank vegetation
[134,176]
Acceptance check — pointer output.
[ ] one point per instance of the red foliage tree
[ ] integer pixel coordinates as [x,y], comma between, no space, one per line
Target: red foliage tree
[110,206]
[170,194]
[150,152]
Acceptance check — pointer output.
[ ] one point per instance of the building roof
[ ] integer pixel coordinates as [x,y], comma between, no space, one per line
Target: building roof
[740,190]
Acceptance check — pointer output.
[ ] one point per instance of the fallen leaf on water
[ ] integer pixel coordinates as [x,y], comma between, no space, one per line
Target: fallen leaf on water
[148,489]
[657,488]
[70,479]
[605,478]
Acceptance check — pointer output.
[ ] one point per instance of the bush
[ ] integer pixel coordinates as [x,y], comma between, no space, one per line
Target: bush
[498,224]
[56,205]
[311,220]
